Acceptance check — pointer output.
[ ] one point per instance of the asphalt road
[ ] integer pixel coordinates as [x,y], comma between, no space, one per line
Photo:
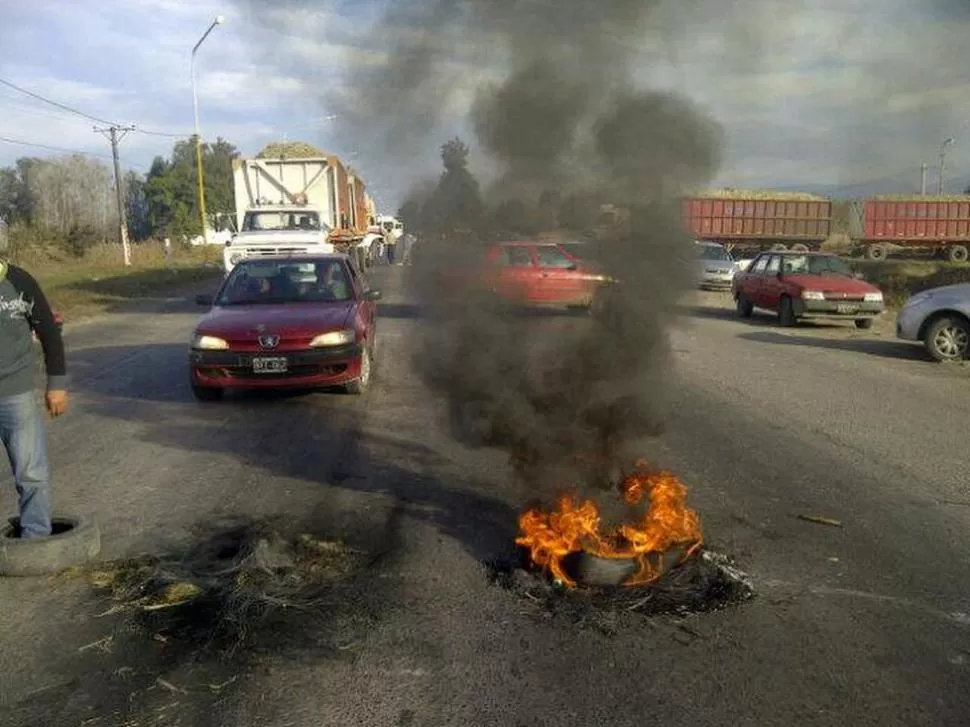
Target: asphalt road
[864,624]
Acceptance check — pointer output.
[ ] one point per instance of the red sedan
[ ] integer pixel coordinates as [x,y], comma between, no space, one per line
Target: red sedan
[540,273]
[799,285]
[302,321]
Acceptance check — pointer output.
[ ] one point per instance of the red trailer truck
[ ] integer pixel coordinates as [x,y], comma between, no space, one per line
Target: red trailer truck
[755,220]
[935,224]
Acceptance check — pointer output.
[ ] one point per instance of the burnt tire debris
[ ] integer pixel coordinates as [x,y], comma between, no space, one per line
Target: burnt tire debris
[708,581]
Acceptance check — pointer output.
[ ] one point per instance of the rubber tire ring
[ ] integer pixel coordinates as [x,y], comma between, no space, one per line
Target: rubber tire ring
[77,540]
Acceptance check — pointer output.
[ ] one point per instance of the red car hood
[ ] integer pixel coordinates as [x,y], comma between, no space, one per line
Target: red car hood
[291,319]
[833,284]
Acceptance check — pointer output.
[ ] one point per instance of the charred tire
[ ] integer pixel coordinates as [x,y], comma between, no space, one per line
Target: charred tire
[745,308]
[864,323]
[786,312]
[876,252]
[957,253]
[359,386]
[799,247]
[75,541]
[947,338]
[206,393]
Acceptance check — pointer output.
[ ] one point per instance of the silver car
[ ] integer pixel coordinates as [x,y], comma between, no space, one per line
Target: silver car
[715,266]
[940,318]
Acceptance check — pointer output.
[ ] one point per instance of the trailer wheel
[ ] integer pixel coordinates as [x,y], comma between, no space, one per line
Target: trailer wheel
[957,253]
[876,252]
[799,248]
[778,247]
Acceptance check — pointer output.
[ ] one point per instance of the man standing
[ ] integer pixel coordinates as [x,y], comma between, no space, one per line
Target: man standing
[390,241]
[24,310]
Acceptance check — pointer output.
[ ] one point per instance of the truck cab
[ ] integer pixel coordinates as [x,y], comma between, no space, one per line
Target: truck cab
[278,229]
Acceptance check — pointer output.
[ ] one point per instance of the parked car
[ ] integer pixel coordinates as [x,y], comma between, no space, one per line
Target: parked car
[301,321]
[940,318]
[538,273]
[806,285]
[715,266]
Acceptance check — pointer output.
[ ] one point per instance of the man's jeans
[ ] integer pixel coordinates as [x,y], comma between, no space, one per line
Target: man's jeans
[25,439]
[390,253]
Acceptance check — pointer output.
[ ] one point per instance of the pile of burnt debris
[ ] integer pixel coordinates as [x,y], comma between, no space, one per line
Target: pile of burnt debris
[706,581]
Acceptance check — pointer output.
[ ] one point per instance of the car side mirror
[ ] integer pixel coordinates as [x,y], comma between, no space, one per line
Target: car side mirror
[372,294]
[203,300]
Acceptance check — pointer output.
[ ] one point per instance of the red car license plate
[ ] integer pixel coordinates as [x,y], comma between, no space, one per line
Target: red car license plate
[846,309]
[272,365]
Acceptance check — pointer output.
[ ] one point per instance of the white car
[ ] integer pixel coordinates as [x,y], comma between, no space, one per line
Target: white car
[715,266]
[940,318]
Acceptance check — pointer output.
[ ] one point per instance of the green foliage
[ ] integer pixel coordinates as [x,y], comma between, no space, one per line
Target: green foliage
[70,202]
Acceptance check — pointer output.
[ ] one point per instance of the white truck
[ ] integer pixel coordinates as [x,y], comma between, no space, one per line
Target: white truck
[295,205]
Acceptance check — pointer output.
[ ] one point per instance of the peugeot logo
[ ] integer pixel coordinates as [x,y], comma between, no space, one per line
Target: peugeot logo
[269,341]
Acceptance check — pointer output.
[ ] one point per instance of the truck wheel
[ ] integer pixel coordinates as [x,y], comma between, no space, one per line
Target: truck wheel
[876,252]
[863,323]
[745,309]
[799,248]
[948,338]
[786,313]
[957,253]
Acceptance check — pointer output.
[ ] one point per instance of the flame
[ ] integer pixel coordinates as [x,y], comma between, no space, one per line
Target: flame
[574,526]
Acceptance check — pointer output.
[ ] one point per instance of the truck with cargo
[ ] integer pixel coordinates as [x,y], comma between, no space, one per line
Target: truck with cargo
[294,205]
[748,220]
[936,224]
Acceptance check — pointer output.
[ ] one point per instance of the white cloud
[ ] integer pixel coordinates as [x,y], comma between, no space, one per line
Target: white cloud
[830,91]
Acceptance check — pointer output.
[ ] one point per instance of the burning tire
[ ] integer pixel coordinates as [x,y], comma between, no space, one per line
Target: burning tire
[75,541]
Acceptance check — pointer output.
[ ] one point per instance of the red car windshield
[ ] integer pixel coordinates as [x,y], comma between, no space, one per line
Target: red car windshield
[815,265]
[255,283]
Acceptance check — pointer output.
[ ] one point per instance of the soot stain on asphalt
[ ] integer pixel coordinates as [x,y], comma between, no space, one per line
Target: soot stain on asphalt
[708,581]
[177,636]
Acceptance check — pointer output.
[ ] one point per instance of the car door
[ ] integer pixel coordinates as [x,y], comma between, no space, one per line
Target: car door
[560,280]
[751,282]
[771,285]
[515,274]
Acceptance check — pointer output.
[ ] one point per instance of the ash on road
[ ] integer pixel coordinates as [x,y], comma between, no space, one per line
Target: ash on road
[866,624]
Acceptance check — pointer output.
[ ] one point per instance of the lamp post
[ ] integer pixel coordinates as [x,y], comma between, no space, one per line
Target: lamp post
[943,146]
[219,20]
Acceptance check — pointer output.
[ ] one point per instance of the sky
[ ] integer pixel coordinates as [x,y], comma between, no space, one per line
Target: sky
[823,94]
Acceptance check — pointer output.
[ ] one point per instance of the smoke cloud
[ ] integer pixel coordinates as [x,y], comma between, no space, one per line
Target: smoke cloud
[569,397]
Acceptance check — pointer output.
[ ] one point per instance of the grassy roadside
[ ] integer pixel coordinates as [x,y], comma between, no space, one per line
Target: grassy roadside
[99,281]
[899,279]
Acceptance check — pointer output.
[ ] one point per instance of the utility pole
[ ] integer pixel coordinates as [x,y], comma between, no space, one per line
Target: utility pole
[943,146]
[922,179]
[115,134]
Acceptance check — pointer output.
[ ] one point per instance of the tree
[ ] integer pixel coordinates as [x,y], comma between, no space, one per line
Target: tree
[456,203]
[171,189]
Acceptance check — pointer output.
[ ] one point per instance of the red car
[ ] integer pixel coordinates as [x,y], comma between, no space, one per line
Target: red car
[539,273]
[806,285]
[284,321]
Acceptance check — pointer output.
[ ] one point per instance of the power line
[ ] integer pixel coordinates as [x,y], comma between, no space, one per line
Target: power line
[82,114]
[54,103]
[19,142]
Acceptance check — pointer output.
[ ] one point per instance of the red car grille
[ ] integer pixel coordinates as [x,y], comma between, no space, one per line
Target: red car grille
[294,372]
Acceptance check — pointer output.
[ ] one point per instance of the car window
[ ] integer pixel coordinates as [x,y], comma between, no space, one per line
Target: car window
[252,283]
[550,257]
[774,265]
[516,257]
[758,266]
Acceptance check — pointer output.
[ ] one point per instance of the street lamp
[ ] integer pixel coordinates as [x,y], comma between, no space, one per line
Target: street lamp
[943,146]
[219,20]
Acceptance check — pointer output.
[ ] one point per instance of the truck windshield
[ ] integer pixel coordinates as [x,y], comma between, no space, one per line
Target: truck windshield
[280,220]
